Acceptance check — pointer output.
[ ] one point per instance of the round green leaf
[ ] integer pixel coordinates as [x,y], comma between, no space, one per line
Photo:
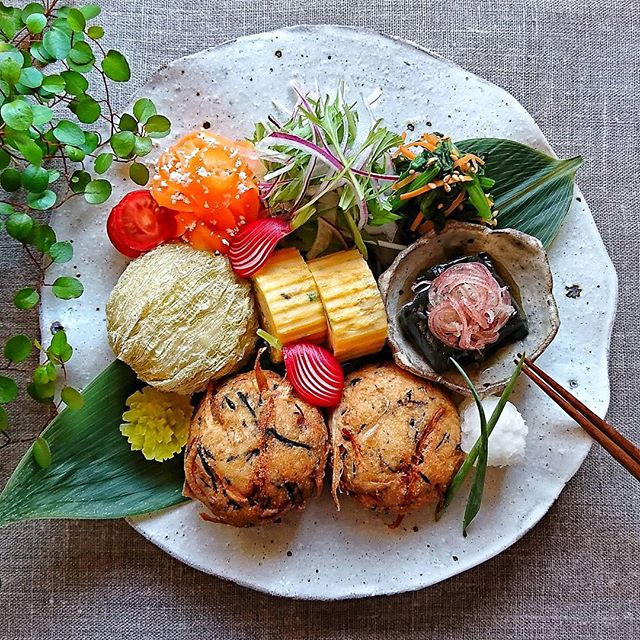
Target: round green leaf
[35,179]
[96,32]
[74,154]
[57,43]
[128,123]
[41,201]
[17,114]
[97,191]
[41,114]
[10,179]
[20,226]
[103,162]
[61,251]
[143,109]
[43,237]
[157,126]
[53,175]
[81,56]
[122,143]
[30,150]
[26,298]
[115,66]
[142,146]
[72,398]
[68,132]
[139,173]
[87,110]
[5,159]
[31,77]
[67,288]
[40,53]
[36,22]
[42,453]
[42,392]
[58,344]
[79,181]
[76,20]
[30,9]
[8,390]
[18,348]
[10,70]
[76,84]
[91,142]
[53,84]
[90,11]
[4,419]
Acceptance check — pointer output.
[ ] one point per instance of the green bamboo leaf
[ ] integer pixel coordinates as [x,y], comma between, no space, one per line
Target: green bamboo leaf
[533,191]
[94,473]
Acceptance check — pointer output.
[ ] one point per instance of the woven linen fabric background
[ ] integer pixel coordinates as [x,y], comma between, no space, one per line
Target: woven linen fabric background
[575,66]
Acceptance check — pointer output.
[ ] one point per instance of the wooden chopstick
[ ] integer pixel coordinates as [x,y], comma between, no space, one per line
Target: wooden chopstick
[624,451]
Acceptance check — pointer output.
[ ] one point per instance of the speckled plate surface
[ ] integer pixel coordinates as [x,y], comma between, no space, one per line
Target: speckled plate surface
[321,554]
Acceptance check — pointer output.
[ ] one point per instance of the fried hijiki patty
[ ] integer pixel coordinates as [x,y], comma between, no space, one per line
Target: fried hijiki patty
[395,440]
[255,450]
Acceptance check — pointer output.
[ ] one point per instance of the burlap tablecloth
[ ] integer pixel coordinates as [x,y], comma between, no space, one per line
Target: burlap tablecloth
[575,66]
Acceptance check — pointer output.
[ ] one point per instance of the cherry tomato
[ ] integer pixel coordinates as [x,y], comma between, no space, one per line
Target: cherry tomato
[138,224]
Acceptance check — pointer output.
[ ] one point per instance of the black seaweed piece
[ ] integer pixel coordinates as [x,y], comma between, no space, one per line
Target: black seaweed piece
[413,319]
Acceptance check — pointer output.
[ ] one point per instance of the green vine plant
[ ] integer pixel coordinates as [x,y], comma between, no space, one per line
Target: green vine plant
[56,139]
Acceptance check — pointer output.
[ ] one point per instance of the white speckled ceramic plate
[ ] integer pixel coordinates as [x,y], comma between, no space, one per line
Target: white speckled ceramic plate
[320,553]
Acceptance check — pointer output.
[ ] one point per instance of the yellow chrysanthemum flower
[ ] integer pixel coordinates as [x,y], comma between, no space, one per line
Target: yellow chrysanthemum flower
[157,423]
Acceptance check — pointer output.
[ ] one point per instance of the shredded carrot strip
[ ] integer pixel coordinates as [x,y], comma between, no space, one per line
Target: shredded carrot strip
[424,144]
[463,162]
[452,207]
[431,138]
[409,155]
[416,222]
[425,228]
[421,190]
[405,181]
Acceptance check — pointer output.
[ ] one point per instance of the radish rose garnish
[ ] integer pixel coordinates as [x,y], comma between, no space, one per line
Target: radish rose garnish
[468,307]
[314,372]
[251,247]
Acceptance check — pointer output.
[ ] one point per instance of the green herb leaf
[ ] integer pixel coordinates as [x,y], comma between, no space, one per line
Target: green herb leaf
[4,419]
[97,191]
[53,84]
[61,251]
[94,473]
[75,83]
[96,32]
[157,126]
[41,201]
[143,109]
[8,390]
[90,11]
[116,67]
[473,455]
[10,179]
[20,227]
[57,43]
[103,162]
[43,237]
[41,453]
[31,77]
[87,110]
[122,143]
[35,179]
[81,57]
[67,288]
[142,145]
[30,150]
[26,298]
[72,398]
[36,23]
[79,181]
[74,154]
[533,191]
[68,132]
[128,123]
[42,393]
[76,20]
[17,114]
[18,348]
[139,173]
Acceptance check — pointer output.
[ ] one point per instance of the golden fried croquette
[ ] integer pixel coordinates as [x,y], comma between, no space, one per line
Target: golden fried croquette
[395,440]
[255,450]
